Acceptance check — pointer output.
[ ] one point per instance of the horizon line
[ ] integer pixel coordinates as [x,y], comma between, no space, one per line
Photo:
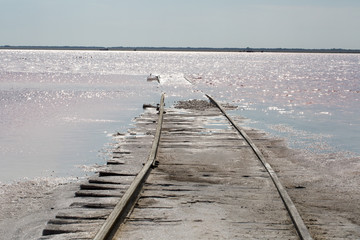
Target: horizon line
[209,49]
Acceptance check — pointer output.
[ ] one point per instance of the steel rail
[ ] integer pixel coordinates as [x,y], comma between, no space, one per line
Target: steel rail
[299,224]
[127,202]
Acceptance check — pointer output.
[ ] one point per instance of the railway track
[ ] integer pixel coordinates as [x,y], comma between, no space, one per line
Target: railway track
[208,181]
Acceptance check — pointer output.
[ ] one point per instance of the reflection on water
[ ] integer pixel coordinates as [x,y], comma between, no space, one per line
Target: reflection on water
[58,109]
[314,93]
[53,120]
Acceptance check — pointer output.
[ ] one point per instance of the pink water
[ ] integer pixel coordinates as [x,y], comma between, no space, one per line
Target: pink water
[58,109]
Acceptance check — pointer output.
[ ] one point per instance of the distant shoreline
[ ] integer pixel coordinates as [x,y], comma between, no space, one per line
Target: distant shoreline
[184,49]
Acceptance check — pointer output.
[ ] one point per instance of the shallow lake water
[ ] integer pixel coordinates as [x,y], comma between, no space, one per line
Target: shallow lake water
[59,109]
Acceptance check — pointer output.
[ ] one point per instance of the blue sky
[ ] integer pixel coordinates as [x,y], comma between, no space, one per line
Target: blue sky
[185,23]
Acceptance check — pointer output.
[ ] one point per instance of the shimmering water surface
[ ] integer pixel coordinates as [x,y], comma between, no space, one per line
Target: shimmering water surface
[58,109]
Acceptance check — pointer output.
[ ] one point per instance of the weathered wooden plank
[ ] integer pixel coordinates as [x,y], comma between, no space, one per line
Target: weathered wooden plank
[102,186]
[93,205]
[69,236]
[115,162]
[116,173]
[100,193]
[52,229]
[74,221]
[124,168]
[95,202]
[111,179]
[83,213]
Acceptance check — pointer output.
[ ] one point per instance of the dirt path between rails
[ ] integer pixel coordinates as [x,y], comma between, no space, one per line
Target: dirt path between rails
[208,185]
[324,187]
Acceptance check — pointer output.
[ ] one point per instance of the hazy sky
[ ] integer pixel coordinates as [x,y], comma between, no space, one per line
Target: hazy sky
[182,23]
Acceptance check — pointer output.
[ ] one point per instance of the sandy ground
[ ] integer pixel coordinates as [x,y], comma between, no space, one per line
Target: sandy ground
[325,188]
[25,207]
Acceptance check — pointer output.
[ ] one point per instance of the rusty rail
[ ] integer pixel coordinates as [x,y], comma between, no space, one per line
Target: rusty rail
[290,206]
[126,203]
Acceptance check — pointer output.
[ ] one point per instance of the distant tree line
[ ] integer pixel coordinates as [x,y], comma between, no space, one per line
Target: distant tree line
[185,49]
